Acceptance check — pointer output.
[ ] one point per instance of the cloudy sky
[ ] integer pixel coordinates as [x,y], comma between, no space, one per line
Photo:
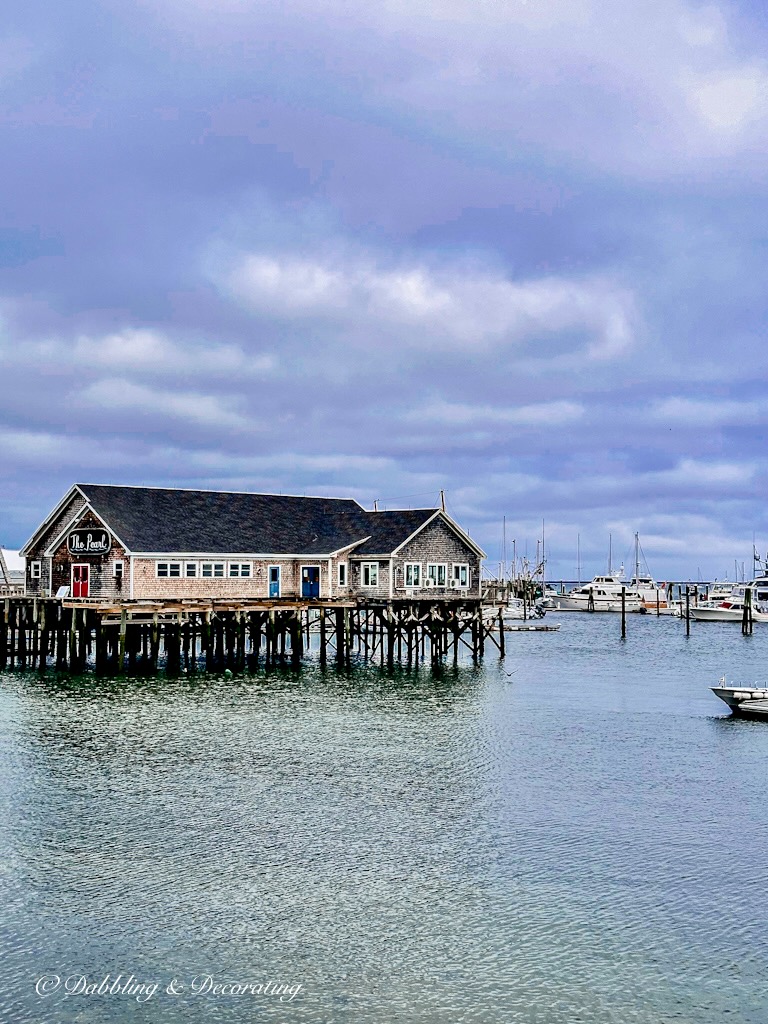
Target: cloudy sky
[515,250]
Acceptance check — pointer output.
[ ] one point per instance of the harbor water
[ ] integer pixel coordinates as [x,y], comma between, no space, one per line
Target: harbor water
[577,833]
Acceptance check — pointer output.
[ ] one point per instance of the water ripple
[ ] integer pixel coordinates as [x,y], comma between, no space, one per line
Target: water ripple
[575,835]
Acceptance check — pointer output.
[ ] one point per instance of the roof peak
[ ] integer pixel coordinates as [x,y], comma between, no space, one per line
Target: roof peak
[211,490]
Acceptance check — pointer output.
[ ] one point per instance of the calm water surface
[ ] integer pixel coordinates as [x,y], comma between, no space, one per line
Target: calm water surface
[577,834]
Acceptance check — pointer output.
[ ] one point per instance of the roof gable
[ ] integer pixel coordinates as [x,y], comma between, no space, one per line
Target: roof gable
[391,531]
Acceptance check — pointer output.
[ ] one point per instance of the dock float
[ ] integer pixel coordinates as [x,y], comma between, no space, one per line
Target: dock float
[537,628]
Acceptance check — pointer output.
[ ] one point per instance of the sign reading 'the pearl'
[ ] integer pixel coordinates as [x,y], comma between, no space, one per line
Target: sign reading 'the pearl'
[89,542]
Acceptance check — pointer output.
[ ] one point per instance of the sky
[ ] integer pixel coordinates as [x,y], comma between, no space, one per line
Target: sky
[512,251]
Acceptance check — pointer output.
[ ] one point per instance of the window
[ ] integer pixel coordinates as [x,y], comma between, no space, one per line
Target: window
[212,569]
[461,576]
[342,574]
[437,574]
[241,570]
[168,570]
[190,570]
[35,570]
[369,573]
[413,574]
[117,570]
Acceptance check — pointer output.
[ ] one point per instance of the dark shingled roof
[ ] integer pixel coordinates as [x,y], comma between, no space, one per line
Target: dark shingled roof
[221,522]
[388,530]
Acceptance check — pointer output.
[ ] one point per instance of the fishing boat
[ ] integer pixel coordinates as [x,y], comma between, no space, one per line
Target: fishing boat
[717,593]
[732,607]
[746,699]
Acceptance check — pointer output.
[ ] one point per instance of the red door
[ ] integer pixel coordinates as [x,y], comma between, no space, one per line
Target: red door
[79,581]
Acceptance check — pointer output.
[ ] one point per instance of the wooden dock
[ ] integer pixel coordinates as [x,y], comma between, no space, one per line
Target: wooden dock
[144,637]
[536,628]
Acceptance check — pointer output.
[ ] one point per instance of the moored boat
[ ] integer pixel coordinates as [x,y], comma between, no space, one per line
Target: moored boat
[653,595]
[732,608]
[603,594]
[745,699]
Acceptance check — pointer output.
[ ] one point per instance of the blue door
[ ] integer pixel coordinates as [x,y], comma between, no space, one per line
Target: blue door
[310,581]
[274,581]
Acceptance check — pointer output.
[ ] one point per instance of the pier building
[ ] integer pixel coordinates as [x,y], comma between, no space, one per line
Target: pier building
[129,578]
[111,543]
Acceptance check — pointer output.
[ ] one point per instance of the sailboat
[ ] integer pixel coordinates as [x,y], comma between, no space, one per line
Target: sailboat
[652,594]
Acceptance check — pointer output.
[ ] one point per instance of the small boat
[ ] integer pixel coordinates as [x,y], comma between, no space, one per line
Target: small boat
[548,597]
[514,609]
[745,699]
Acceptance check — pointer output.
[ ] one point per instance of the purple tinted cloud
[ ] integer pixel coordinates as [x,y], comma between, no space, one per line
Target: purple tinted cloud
[515,252]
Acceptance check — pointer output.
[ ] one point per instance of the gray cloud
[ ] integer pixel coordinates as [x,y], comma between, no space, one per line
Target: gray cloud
[513,251]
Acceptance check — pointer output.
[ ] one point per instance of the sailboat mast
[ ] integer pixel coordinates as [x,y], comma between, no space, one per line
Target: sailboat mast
[543,558]
[504,549]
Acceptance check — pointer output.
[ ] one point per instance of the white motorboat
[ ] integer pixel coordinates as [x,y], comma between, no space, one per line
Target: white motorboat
[603,594]
[514,609]
[726,611]
[548,598]
[719,592]
[746,699]
[731,608]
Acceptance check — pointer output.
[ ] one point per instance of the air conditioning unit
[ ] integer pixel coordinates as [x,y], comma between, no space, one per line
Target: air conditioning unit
[429,582]
[454,584]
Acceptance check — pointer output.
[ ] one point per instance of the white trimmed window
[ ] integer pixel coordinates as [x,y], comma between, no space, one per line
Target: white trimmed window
[240,570]
[212,569]
[437,572]
[168,570]
[190,570]
[369,574]
[342,574]
[460,576]
[35,570]
[118,569]
[413,574]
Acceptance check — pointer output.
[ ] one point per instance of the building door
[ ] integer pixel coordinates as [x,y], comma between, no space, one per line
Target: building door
[80,580]
[274,581]
[310,581]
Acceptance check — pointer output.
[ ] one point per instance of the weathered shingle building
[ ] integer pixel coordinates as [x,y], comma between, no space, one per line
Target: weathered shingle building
[135,543]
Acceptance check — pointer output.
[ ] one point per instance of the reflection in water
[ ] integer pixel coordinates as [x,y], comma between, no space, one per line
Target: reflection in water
[552,839]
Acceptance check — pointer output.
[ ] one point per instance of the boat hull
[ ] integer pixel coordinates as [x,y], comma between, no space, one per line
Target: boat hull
[717,614]
[572,604]
[724,614]
[744,700]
